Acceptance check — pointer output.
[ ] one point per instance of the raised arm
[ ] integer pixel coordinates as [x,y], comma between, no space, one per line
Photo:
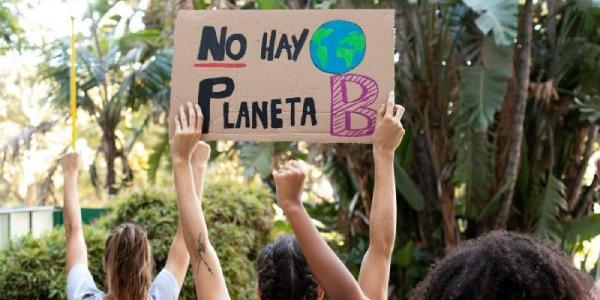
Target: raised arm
[208,275]
[76,249]
[329,270]
[179,257]
[375,268]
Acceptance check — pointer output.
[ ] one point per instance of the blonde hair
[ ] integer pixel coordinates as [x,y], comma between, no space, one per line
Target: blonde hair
[128,263]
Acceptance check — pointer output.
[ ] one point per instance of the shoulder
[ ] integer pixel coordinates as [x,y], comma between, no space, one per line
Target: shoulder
[81,285]
[164,286]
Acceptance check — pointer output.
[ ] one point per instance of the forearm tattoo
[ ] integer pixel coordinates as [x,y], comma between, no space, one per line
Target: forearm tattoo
[200,251]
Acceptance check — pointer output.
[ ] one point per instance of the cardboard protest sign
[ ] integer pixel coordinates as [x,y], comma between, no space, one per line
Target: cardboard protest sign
[312,75]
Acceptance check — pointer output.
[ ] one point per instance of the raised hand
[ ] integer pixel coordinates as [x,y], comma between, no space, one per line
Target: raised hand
[70,163]
[289,181]
[188,130]
[388,129]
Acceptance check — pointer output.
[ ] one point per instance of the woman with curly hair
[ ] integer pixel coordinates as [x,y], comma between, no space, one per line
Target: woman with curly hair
[504,265]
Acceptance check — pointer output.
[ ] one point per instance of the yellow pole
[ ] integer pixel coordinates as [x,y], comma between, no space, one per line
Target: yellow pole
[73,87]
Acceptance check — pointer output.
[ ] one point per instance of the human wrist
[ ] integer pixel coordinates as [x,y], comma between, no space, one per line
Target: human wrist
[199,162]
[71,175]
[291,207]
[382,155]
[179,161]
[180,158]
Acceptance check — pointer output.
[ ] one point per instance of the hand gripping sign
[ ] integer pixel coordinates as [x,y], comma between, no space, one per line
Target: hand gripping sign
[311,75]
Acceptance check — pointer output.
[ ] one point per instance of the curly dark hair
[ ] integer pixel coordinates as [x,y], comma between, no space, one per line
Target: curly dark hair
[283,273]
[504,265]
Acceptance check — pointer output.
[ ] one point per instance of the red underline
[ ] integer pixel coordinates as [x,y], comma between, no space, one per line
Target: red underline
[220,65]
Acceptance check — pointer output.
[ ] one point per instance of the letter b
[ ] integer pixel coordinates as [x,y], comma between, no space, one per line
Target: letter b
[342,108]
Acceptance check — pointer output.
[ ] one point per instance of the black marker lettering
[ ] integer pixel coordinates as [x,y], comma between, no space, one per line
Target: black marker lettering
[292,102]
[243,113]
[284,45]
[259,113]
[209,43]
[308,109]
[276,121]
[299,43]
[206,92]
[242,40]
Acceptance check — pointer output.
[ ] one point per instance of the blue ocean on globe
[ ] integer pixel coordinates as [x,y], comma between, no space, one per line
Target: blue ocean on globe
[337,46]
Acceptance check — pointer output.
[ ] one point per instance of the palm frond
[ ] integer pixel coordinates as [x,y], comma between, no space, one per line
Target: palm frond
[552,202]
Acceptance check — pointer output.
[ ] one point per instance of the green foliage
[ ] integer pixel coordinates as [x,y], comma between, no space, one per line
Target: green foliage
[552,201]
[407,188]
[240,217]
[271,4]
[582,229]
[499,16]
[482,93]
[33,268]
[11,33]
[474,167]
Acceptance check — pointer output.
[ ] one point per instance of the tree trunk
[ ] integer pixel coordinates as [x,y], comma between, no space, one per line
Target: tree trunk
[109,148]
[514,156]
[551,34]
[575,191]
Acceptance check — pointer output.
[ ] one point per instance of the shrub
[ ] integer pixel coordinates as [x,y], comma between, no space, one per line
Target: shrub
[240,221]
[35,268]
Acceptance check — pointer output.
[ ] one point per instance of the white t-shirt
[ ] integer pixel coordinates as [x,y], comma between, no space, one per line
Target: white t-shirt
[81,286]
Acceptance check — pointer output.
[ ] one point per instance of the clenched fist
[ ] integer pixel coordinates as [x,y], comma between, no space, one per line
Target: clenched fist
[289,181]
[388,129]
[201,154]
[188,130]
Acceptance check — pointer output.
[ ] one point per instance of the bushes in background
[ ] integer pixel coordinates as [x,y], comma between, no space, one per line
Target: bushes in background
[240,220]
[33,268]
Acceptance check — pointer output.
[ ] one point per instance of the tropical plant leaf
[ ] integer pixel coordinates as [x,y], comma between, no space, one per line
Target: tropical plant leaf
[494,203]
[271,4]
[552,201]
[256,157]
[482,93]
[499,16]
[155,157]
[497,56]
[474,167]
[589,108]
[407,188]
[582,229]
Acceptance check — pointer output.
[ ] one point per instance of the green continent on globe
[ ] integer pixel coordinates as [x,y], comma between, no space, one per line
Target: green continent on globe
[349,46]
[318,37]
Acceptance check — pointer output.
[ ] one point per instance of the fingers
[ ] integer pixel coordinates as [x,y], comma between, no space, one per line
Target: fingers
[199,117]
[178,126]
[381,111]
[192,118]
[182,117]
[399,112]
[389,108]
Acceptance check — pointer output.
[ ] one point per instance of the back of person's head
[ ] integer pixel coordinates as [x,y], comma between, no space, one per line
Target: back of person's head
[128,263]
[283,273]
[503,265]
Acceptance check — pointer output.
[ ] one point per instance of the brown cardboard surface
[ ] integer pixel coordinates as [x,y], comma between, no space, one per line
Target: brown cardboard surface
[341,114]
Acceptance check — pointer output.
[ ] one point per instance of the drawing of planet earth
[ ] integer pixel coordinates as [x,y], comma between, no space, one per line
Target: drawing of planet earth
[337,46]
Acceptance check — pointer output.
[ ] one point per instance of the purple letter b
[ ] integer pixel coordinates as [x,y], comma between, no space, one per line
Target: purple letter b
[342,108]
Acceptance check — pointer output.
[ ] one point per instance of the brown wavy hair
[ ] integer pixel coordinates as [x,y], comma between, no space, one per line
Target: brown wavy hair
[504,265]
[128,263]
